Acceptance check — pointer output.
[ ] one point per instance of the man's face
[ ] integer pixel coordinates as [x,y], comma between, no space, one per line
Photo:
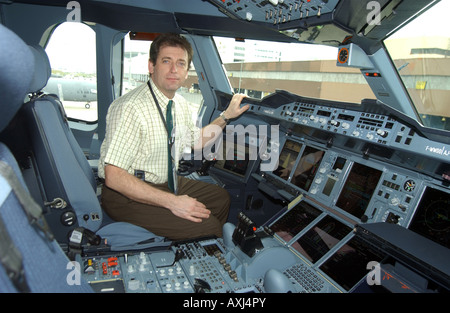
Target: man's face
[170,70]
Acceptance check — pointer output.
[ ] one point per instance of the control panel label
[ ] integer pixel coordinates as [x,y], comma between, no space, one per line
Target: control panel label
[441,151]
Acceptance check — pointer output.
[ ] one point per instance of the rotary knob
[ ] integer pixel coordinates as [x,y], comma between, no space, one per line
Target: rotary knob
[382,133]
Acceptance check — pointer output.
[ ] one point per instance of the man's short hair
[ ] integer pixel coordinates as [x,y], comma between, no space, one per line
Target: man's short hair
[171,40]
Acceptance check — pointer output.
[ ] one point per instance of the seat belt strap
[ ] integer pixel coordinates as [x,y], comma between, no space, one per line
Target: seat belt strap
[31,208]
[11,260]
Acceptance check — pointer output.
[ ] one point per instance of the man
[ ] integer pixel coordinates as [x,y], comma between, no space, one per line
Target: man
[134,155]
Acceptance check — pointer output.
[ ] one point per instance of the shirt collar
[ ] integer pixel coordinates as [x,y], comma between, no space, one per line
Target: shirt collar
[162,99]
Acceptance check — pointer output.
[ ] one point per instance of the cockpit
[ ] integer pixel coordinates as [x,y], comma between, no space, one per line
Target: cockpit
[338,173]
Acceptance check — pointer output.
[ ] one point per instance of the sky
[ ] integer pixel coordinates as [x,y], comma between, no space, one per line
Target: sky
[431,23]
[64,50]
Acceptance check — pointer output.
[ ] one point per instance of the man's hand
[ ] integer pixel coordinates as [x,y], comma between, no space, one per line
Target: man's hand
[189,208]
[234,109]
[182,206]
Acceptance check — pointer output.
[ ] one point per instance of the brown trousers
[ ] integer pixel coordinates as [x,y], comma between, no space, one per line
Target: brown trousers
[161,221]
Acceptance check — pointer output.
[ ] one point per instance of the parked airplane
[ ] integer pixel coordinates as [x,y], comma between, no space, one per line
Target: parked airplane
[338,172]
[72,90]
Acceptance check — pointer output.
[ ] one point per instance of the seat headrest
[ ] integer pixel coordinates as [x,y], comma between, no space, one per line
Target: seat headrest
[42,69]
[16,73]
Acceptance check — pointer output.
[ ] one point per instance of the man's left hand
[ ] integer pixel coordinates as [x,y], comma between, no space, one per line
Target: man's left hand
[234,109]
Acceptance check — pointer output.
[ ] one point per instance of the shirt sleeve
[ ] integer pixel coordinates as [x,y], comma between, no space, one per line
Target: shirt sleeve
[125,135]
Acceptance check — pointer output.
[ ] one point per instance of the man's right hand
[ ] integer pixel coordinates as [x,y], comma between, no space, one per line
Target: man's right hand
[182,206]
[189,208]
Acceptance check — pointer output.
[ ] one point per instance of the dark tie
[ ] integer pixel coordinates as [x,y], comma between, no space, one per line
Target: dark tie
[171,163]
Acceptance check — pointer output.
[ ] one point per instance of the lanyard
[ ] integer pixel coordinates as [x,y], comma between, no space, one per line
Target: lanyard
[171,140]
[172,171]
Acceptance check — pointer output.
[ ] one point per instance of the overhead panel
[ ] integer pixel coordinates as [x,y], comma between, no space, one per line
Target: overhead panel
[276,12]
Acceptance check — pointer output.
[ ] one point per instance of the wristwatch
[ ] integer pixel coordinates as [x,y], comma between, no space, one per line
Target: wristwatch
[222,115]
